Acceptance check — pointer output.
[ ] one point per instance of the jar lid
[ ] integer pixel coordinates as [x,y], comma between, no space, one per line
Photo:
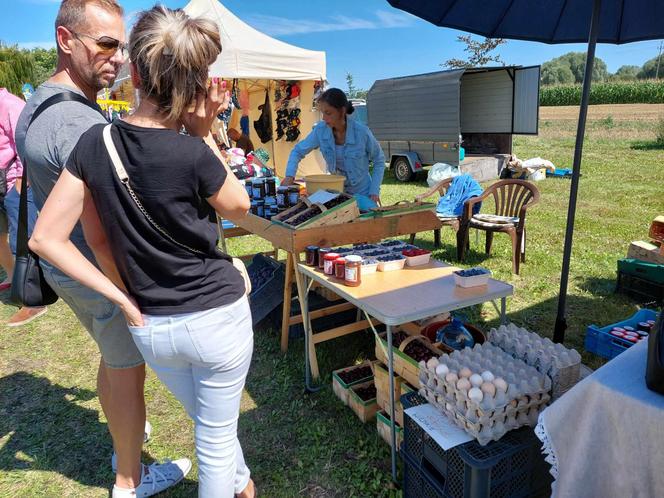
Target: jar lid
[353,259]
[311,248]
[340,259]
[325,249]
[331,256]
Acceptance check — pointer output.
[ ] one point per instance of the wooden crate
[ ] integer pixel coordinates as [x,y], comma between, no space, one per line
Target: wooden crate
[646,252]
[383,427]
[337,215]
[404,365]
[365,410]
[402,207]
[340,388]
[401,387]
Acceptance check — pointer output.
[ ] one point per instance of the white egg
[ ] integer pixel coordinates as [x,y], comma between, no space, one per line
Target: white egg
[451,377]
[463,384]
[500,384]
[489,389]
[487,376]
[442,370]
[476,380]
[465,372]
[475,395]
[432,363]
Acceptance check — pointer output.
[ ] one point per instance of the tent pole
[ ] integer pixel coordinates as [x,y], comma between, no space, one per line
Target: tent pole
[561,321]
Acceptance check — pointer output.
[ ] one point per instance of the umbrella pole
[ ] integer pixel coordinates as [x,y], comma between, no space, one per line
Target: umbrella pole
[561,321]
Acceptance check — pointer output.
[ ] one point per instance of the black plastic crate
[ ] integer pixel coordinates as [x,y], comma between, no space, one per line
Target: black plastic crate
[643,290]
[267,286]
[512,467]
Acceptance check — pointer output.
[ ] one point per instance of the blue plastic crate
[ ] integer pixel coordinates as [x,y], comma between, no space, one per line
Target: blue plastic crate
[600,342]
[512,467]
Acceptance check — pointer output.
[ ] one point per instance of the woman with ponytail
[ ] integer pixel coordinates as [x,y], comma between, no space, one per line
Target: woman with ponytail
[148,224]
[347,146]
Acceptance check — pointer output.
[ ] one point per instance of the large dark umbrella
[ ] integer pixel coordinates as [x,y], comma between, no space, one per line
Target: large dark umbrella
[551,21]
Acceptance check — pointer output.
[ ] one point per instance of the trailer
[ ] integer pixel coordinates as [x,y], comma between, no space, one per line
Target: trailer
[425,119]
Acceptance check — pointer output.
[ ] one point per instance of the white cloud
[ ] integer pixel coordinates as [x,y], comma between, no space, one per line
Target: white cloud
[280,26]
[36,44]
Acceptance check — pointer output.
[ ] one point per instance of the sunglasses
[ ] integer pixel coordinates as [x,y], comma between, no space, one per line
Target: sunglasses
[106,44]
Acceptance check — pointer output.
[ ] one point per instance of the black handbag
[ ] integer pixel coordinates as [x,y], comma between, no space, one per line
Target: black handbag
[29,288]
[263,125]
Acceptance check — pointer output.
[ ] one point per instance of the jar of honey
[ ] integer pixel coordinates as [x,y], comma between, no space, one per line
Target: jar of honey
[353,271]
[321,256]
[311,256]
[328,263]
[340,268]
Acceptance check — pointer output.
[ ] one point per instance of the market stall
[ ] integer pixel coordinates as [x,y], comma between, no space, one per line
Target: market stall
[286,75]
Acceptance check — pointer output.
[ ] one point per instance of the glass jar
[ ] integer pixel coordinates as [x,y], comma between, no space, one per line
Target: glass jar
[258,188]
[282,197]
[328,263]
[321,256]
[353,271]
[340,268]
[248,187]
[311,256]
[271,186]
[293,195]
[254,207]
[260,208]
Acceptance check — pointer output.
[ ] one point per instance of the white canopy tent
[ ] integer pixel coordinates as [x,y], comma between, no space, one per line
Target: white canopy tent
[257,61]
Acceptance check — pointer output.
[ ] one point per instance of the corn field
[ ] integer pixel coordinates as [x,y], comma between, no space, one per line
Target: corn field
[630,92]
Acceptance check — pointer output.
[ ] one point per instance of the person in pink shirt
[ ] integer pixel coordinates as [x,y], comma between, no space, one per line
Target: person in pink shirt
[12,170]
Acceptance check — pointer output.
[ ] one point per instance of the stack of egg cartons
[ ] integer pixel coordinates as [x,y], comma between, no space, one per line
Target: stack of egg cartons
[484,390]
[561,364]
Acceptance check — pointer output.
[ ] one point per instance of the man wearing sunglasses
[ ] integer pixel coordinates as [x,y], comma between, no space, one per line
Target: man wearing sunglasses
[90,36]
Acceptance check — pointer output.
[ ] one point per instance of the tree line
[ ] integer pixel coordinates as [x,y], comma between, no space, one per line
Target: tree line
[19,66]
[570,68]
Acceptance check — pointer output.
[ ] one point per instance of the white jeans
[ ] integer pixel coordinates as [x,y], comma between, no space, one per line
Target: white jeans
[203,358]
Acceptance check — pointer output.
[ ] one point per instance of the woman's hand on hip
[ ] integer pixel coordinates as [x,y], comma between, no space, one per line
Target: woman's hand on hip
[376,199]
[132,312]
[198,117]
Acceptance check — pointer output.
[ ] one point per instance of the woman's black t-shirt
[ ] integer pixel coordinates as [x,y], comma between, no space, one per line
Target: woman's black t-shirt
[172,175]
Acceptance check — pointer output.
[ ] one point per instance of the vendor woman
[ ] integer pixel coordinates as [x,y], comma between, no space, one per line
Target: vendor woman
[347,145]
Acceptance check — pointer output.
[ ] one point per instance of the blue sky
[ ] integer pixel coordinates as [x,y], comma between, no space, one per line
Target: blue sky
[367,38]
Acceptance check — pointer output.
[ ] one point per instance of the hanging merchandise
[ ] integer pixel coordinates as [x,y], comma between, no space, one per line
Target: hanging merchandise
[263,125]
[319,88]
[234,95]
[287,100]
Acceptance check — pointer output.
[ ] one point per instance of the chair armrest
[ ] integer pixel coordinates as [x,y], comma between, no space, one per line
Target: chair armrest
[436,188]
[468,205]
[522,211]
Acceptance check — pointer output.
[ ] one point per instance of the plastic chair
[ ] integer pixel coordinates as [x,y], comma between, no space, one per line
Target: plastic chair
[512,198]
[454,223]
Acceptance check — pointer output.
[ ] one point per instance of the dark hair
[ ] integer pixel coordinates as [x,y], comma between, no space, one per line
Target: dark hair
[337,99]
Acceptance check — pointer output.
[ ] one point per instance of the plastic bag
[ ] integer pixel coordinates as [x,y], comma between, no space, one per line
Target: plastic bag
[455,335]
[441,171]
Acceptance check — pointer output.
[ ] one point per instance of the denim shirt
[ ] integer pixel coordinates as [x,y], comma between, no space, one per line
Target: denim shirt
[361,148]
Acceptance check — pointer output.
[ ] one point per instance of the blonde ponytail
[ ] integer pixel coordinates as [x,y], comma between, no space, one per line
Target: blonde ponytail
[172,53]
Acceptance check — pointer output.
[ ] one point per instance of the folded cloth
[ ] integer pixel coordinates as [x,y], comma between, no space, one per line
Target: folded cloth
[462,188]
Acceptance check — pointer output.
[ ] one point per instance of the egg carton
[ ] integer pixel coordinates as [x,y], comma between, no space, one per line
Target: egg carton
[561,364]
[490,406]
[490,378]
[487,429]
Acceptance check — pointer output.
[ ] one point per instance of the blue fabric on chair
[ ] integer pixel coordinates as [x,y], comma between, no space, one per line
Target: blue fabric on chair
[461,189]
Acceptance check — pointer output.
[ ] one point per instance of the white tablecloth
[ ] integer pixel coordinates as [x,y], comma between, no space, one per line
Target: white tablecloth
[605,437]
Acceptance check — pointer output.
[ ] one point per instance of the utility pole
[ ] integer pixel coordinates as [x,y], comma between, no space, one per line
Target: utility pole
[659,56]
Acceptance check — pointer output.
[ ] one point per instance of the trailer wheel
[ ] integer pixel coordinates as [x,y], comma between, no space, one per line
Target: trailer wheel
[402,171]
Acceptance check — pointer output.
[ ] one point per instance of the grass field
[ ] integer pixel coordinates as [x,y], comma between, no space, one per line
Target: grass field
[53,438]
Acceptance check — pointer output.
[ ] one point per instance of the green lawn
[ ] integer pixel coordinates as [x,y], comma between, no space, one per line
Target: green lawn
[53,438]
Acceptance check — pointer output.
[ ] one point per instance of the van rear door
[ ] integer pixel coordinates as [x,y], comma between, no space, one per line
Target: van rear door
[525,119]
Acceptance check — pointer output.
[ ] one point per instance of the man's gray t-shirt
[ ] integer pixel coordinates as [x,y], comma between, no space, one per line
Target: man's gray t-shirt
[50,140]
